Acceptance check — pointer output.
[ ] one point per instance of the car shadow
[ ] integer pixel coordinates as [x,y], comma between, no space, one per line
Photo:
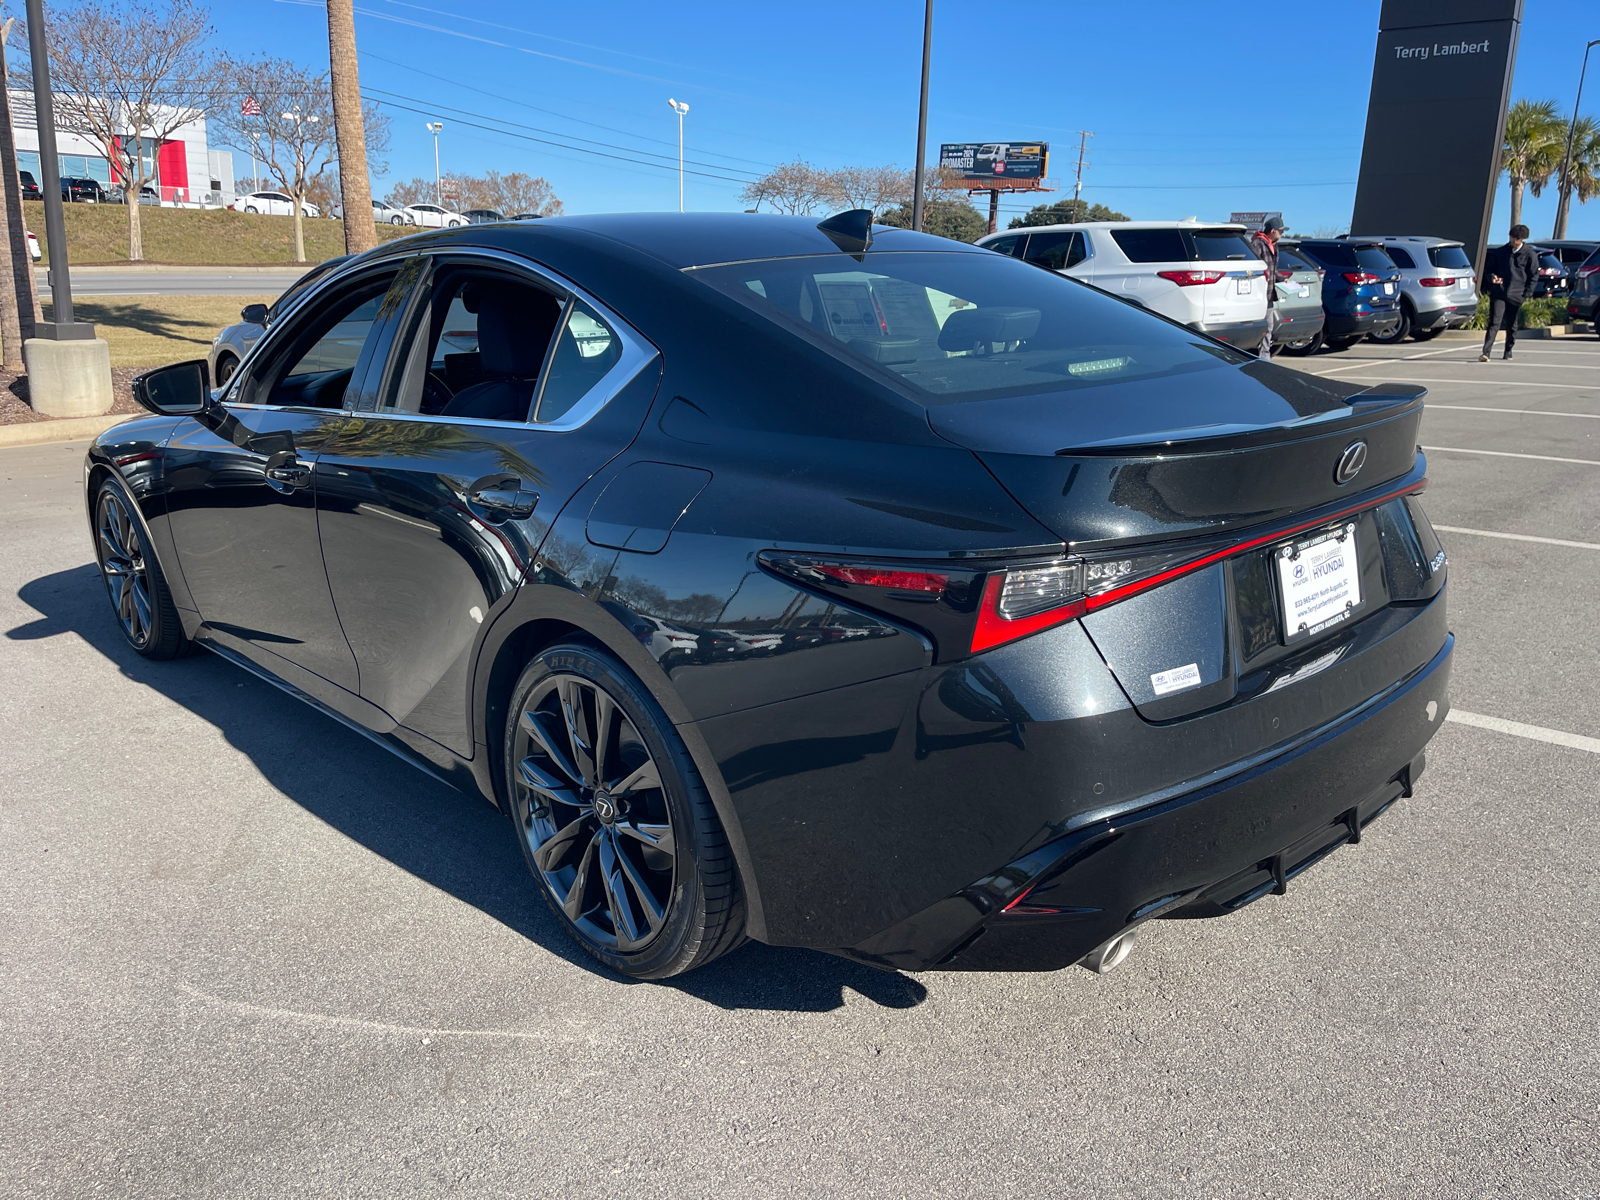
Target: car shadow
[455,842]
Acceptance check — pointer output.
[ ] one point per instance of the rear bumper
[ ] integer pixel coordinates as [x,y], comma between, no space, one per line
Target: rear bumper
[1341,325]
[1207,852]
[1451,316]
[1297,326]
[1246,335]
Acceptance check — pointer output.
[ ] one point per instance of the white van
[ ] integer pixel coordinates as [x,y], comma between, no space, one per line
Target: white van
[1199,273]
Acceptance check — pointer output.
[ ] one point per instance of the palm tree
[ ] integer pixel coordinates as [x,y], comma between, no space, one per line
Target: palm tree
[1535,136]
[1584,175]
[355,187]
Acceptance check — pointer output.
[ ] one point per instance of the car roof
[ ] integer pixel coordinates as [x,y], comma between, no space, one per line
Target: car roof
[1187,223]
[1425,239]
[703,239]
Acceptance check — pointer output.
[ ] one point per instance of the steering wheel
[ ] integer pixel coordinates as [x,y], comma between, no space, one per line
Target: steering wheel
[435,394]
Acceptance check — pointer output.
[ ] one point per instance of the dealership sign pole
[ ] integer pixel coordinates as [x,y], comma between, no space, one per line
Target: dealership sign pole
[922,118]
[63,328]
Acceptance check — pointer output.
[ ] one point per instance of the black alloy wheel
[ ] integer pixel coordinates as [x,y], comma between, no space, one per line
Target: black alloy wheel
[138,593]
[613,818]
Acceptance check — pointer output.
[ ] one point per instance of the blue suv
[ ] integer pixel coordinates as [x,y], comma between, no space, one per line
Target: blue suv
[1360,289]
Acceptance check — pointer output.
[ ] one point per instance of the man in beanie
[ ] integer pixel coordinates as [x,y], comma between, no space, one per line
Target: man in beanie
[1509,273]
[1265,244]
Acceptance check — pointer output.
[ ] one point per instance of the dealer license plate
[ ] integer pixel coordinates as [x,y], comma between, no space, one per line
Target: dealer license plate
[1244,286]
[1388,289]
[1319,581]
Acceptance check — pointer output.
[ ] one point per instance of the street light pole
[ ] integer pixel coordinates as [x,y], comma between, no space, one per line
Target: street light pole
[63,328]
[922,116]
[1564,183]
[434,127]
[679,108]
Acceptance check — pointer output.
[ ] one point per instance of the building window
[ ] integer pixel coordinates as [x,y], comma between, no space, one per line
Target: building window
[73,166]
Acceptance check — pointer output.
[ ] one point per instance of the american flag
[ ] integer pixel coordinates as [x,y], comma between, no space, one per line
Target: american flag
[250,108]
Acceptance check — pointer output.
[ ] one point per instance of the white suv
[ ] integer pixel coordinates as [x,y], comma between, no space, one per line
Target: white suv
[1201,274]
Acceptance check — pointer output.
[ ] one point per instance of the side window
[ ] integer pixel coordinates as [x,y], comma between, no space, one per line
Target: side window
[1058,251]
[310,363]
[585,351]
[1008,245]
[1402,258]
[475,348]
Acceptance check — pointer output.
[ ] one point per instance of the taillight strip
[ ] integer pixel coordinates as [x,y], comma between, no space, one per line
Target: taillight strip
[1101,599]
[992,629]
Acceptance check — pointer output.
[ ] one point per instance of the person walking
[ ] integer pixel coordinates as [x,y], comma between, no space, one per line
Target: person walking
[1509,273]
[1265,244]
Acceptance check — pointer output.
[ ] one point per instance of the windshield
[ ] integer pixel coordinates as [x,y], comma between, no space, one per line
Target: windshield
[961,326]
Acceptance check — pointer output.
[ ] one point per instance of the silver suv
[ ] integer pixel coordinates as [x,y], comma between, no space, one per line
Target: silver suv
[1438,289]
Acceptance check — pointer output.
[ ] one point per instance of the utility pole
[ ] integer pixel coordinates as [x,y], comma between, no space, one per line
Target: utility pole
[1077,188]
[62,327]
[27,296]
[922,120]
[1564,181]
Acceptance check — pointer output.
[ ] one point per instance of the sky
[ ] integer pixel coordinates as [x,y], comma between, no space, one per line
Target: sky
[1196,109]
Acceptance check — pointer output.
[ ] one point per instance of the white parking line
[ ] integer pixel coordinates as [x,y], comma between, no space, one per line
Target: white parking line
[1378,362]
[1520,412]
[1588,462]
[1515,363]
[1537,733]
[1518,537]
[1564,387]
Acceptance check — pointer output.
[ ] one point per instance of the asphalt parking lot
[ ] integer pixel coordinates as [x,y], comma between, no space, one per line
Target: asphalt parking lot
[244,952]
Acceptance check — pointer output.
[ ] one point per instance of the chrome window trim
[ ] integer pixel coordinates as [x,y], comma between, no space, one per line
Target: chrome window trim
[637,350]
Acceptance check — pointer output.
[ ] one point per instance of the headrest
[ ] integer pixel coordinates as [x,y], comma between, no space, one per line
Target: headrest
[967,327]
[514,326]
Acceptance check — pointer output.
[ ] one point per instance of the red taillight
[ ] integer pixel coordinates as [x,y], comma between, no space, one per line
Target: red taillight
[994,628]
[1436,282]
[1190,278]
[901,581]
[1360,277]
[1585,271]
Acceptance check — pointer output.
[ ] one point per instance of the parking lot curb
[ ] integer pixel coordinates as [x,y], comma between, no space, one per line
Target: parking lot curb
[69,429]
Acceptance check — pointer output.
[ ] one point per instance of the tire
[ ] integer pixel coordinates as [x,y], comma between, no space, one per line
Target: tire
[1427,335]
[629,854]
[251,208]
[138,593]
[1304,346]
[1396,335]
[227,364]
[397,220]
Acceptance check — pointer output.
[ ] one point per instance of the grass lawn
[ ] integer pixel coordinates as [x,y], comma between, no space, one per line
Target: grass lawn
[98,233]
[148,331]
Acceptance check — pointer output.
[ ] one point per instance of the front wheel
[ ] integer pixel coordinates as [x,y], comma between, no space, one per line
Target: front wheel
[139,596]
[251,208]
[226,366]
[613,819]
[397,220]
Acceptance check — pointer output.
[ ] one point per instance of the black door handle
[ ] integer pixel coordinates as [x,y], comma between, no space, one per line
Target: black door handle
[506,502]
[284,472]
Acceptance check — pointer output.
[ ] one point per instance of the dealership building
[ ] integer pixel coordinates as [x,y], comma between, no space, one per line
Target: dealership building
[185,167]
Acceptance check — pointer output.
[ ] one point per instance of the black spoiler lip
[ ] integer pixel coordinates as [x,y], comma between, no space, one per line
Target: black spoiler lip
[1381,401]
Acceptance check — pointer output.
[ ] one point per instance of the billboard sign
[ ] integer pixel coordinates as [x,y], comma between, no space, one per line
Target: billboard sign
[1253,221]
[996,160]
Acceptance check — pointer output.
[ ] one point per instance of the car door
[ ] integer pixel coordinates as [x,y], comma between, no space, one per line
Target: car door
[497,392]
[241,502]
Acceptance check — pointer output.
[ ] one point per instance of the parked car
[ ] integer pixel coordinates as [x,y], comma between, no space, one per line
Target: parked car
[482,216]
[30,186]
[528,217]
[1438,289]
[1001,618]
[1573,252]
[33,247]
[1552,279]
[119,195]
[1300,317]
[1583,295]
[82,191]
[383,213]
[1360,288]
[1202,275]
[233,345]
[273,204]
[431,216]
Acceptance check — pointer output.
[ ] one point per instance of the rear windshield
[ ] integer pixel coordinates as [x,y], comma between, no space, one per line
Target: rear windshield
[1151,245]
[1450,257]
[1213,244]
[1288,260]
[1549,260]
[962,326]
[1374,259]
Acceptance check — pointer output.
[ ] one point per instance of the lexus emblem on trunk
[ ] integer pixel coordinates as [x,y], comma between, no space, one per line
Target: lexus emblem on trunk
[1350,462]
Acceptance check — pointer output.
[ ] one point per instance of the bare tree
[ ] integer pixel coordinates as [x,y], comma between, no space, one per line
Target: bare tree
[355,185]
[796,188]
[510,194]
[875,188]
[127,76]
[284,114]
[411,191]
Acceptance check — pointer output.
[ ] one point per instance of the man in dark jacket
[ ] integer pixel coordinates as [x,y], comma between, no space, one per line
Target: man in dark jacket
[1509,273]
[1265,245]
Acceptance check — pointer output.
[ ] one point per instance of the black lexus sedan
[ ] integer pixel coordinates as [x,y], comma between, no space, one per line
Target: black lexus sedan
[831,585]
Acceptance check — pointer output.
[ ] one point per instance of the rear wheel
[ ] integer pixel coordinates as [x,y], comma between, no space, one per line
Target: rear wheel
[1396,335]
[613,819]
[251,208]
[133,580]
[1303,346]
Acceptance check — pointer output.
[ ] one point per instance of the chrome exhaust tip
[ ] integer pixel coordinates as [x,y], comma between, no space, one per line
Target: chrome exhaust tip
[1112,954]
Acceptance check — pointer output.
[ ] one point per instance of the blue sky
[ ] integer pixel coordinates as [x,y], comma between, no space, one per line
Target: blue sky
[1196,109]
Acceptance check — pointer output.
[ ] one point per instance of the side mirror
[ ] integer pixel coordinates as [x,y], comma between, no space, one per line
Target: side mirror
[255,314]
[180,390]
